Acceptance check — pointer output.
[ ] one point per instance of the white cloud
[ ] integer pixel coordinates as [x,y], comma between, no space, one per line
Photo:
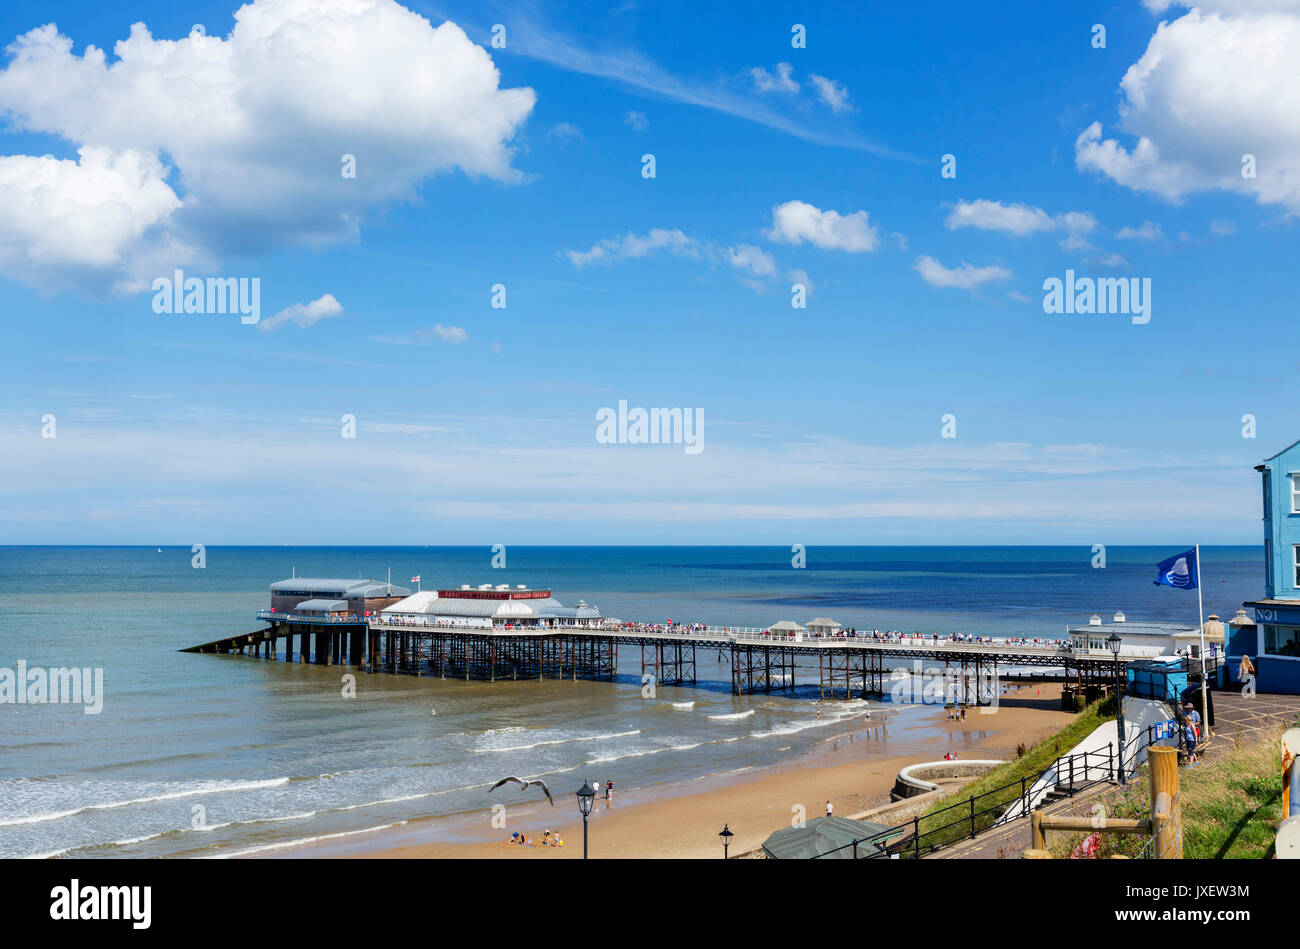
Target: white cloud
[637,120]
[304,315]
[800,276]
[252,128]
[629,67]
[754,263]
[831,92]
[75,221]
[965,277]
[1215,84]
[1147,231]
[1113,260]
[1017,296]
[1017,219]
[631,246]
[765,81]
[1223,228]
[449,334]
[797,221]
[751,259]
[565,132]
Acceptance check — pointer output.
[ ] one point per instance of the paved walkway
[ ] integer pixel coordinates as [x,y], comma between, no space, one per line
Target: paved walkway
[1236,718]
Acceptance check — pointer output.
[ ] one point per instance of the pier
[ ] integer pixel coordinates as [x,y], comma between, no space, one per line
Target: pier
[492,633]
[841,666]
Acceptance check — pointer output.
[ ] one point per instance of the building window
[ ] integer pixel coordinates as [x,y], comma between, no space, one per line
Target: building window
[1268,565]
[1295,494]
[1282,641]
[1268,495]
[1295,548]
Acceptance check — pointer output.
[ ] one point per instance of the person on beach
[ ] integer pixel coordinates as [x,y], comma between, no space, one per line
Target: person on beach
[830,809]
[609,790]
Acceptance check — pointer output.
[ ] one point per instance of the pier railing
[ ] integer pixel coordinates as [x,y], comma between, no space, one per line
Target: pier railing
[750,635]
[352,618]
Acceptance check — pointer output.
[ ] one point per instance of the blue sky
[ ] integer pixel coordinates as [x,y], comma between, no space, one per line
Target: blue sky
[221,155]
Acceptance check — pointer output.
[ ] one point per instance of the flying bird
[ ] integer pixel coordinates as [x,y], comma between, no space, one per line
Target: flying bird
[525,785]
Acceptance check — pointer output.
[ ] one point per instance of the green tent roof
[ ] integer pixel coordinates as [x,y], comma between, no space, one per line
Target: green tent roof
[824,834]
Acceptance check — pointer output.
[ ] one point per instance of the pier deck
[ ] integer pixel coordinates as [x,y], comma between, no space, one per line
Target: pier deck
[759,661]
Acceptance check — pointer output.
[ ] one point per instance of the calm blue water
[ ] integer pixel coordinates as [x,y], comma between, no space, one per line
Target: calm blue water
[205,755]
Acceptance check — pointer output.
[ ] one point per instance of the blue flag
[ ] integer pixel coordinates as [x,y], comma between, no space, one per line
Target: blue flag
[1179,571]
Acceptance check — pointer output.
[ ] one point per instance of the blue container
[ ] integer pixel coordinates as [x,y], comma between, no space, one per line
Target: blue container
[1153,679]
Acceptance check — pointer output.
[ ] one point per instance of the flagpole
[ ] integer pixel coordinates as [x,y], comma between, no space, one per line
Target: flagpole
[1200,608]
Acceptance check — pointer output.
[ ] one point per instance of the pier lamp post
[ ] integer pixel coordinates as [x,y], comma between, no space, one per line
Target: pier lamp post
[1113,642]
[726,836]
[586,797]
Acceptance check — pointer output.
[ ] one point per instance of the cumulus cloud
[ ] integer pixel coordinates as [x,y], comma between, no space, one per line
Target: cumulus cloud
[74,221]
[304,315]
[1147,231]
[782,81]
[965,277]
[197,147]
[797,221]
[832,93]
[1214,85]
[637,120]
[1017,219]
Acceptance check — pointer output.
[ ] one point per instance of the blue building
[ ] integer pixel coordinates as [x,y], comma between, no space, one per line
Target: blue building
[1272,640]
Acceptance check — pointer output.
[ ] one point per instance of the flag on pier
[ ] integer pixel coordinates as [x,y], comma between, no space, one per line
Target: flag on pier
[415,579]
[1180,571]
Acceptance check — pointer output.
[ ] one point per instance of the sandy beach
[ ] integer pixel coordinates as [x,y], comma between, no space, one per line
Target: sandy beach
[853,769]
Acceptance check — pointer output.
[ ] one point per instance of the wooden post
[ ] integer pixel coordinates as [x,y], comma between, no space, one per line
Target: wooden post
[1166,811]
[1036,823]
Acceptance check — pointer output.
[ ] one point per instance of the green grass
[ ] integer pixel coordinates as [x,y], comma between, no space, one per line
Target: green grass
[1231,806]
[1002,785]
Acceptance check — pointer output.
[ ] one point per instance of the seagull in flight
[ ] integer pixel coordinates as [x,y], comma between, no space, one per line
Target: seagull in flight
[525,785]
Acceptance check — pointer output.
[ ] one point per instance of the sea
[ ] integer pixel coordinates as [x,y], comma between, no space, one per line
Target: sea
[214,756]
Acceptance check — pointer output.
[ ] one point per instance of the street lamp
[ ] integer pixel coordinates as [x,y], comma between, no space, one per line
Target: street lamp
[586,797]
[726,836]
[1113,642]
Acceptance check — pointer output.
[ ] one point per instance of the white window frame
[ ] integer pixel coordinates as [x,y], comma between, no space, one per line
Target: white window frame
[1295,559]
[1295,491]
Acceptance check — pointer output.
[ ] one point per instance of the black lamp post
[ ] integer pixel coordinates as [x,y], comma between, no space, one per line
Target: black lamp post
[1113,642]
[726,836]
[586,797]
